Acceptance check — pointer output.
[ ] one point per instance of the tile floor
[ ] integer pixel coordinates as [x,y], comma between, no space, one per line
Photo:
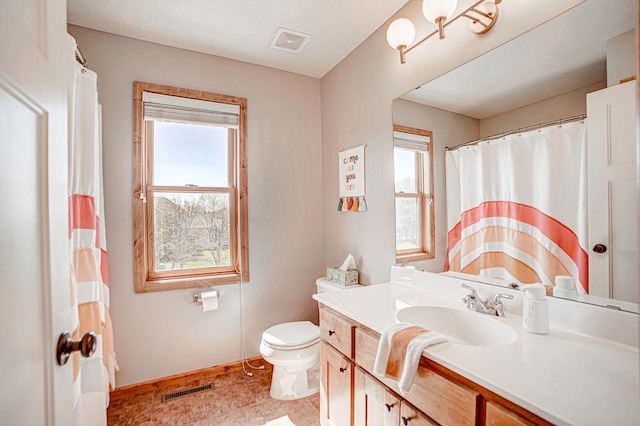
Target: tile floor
[235,400]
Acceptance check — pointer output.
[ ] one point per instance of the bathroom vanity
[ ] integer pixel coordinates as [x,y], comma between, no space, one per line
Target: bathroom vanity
[564,377]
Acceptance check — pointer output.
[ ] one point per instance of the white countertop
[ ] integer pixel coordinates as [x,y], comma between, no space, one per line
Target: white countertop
[563,377]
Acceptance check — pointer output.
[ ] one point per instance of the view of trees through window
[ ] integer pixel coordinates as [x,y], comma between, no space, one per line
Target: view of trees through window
[190,187]
[408,199]
[191,231]
[407,224]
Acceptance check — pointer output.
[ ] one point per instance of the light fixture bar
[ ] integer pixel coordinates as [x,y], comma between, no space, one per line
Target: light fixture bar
[468,13]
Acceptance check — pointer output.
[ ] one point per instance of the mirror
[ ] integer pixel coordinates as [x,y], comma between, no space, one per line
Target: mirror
[539,77]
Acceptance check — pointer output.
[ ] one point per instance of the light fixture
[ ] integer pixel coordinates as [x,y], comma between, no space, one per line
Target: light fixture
[400,34]
[482,16]
[438,11]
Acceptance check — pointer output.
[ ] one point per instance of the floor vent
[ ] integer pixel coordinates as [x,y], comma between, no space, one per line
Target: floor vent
[186,392]
[290,41]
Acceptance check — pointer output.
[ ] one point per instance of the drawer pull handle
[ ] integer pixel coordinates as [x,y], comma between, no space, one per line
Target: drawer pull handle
[342,370]
[331,332]
[406,420]
[389,406]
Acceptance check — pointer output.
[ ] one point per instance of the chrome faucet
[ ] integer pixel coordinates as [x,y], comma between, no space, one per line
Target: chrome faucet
[492,307]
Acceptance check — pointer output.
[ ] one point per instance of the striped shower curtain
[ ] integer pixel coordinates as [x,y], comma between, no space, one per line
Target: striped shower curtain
[93,376]
[517,207]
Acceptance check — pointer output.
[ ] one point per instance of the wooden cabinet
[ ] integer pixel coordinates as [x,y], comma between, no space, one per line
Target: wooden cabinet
[336,369]
[336,387]
[374,404]
[351,395]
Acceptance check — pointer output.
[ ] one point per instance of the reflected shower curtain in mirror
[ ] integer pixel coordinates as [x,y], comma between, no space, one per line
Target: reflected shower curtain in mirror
[93,376]
[517,207]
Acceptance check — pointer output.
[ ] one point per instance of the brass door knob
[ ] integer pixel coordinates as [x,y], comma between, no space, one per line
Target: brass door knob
[599,248]
[86,346]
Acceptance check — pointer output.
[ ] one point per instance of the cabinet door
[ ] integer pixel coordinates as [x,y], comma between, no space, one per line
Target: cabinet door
[409,416]
[373,404]
[336,390]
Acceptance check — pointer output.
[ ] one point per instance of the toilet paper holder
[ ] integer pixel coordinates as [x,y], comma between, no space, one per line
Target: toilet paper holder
[197,297]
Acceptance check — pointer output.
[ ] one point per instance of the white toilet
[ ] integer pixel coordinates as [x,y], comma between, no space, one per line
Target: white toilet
[293,348]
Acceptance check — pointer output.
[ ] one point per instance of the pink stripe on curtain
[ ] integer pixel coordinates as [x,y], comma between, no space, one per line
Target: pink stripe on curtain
[552,229]
[82,212]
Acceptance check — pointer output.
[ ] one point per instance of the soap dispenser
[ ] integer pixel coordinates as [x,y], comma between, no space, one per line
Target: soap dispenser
[535,309]
[565,287]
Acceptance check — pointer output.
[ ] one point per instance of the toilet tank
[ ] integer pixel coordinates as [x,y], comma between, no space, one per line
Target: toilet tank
[324,286]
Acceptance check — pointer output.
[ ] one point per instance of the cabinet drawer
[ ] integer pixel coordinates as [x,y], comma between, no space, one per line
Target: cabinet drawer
[336,331]
[409,416]
[498,415]
[444,401]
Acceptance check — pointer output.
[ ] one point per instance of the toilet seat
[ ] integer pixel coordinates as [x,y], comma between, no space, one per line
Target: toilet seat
[291,336]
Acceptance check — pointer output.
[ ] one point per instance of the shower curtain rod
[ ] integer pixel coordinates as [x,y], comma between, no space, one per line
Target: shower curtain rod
[80,57]
[520,130]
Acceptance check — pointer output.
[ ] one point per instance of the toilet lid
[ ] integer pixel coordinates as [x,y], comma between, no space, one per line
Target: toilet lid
[291,334]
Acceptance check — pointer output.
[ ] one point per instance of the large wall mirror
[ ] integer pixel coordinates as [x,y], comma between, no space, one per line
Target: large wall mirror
[575,73]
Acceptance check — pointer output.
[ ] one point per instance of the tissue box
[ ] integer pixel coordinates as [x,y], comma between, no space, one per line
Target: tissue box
[338,276]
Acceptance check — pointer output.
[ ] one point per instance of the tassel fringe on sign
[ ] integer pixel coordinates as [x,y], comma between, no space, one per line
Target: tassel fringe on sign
[352,204]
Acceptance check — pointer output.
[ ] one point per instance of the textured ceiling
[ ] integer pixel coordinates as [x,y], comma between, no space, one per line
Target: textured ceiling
[564,54]
[243,29]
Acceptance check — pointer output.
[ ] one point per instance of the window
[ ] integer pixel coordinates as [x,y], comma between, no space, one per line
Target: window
[190,188]
[413,166]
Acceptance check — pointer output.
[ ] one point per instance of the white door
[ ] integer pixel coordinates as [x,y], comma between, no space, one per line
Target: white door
[613,196]
[35,299]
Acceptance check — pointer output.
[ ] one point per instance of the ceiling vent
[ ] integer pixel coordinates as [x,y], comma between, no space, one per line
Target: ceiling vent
[291,41]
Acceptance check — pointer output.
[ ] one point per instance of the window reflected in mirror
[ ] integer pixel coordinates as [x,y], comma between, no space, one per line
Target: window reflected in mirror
[413,176]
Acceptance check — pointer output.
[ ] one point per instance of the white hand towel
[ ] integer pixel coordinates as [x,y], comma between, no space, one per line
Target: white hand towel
[415,340]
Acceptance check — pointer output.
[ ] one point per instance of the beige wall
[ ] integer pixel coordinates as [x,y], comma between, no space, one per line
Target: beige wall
[562,106]
[621,58]
[160,334]
[357,98]
[448,129]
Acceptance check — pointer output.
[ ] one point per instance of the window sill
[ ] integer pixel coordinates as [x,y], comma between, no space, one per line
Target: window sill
[413,257]
[167,284]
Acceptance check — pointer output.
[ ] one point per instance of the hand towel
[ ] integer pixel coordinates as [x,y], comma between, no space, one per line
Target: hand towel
[399,351]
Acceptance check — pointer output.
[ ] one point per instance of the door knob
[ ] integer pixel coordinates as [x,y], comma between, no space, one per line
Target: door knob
[86,346]
[599,248]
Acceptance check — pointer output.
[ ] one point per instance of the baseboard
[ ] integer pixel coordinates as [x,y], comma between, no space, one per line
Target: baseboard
[156,384]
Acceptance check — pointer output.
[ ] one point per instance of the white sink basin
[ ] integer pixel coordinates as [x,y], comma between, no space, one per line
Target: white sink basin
[464,327]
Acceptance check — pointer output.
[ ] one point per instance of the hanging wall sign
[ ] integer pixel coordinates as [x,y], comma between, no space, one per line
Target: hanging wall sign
[352,180]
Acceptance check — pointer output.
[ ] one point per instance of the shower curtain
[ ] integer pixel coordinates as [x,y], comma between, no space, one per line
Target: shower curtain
[517,207]
[93,376]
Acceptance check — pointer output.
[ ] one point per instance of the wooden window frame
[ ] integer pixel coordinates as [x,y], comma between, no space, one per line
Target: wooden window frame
[146,279]
[427,202]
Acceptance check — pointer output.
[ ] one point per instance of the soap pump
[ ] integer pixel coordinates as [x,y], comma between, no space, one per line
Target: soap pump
[535,309]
